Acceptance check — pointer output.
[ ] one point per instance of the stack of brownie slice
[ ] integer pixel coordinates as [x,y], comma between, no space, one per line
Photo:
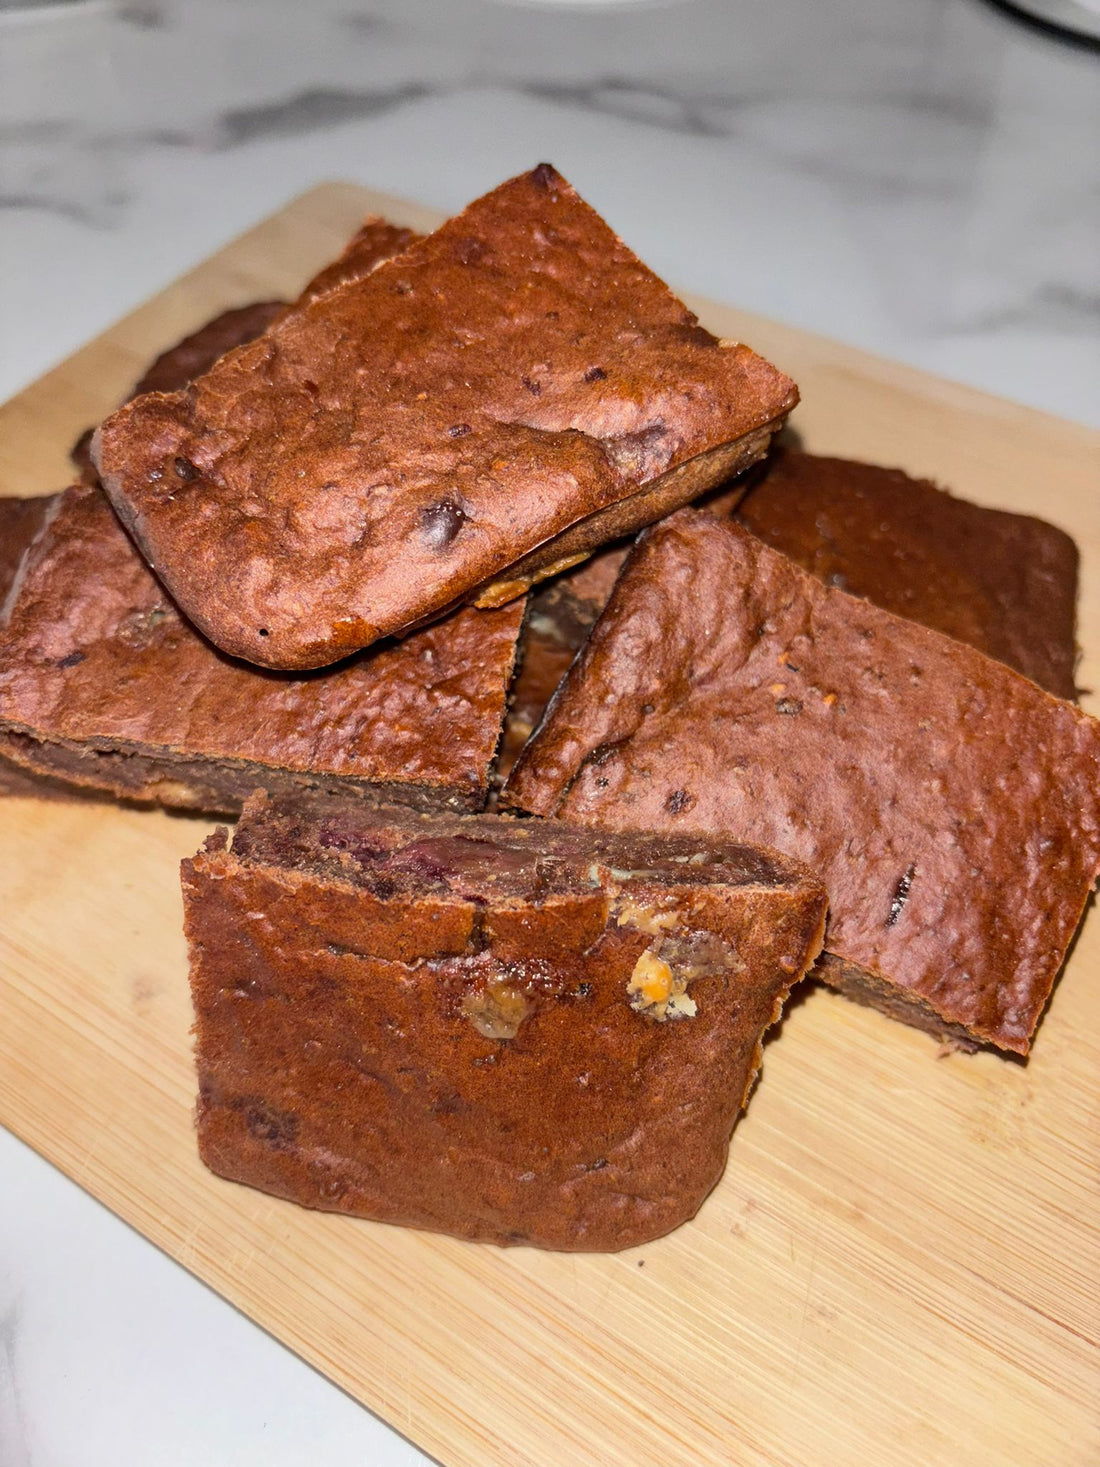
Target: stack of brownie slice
[292,585]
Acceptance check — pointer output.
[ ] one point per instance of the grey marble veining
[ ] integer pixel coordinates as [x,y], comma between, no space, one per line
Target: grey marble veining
[915,178]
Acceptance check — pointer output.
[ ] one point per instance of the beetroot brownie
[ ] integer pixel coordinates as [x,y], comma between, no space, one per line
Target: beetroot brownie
[560,614]
[952,807]
[375,240]
[102,683]
[511,1031]
[20,521]
[1004,583]
[495,402]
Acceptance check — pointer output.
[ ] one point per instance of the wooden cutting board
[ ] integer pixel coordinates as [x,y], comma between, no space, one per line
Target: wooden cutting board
[901,1265]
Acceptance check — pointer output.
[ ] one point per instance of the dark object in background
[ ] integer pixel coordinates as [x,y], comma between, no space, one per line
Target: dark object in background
[1067,20]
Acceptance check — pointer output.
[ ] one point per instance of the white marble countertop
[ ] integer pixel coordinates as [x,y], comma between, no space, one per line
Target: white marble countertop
[911,176]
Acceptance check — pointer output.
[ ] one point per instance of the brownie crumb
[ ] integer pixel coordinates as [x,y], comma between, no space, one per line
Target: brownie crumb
[278,1128]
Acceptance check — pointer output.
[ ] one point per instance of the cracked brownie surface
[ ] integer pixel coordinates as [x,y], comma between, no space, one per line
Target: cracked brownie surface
[951,806]
[499,399]
[103,683]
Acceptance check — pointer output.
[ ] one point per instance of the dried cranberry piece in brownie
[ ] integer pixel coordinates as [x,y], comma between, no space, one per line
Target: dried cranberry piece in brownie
[434,432]
[512,1031]
[951,806]
[104,684]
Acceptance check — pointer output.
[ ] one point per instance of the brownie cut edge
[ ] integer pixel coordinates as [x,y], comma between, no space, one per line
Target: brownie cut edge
[511,1031]
[104,684]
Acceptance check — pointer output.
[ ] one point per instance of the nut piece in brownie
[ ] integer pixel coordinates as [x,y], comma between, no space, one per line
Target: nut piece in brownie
[951,806]
[494,403]
[103,684]
[1004,583]
[511,1031]
[375,240]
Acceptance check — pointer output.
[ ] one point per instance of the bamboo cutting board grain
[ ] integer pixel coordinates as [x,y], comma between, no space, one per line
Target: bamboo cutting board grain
[901,1266]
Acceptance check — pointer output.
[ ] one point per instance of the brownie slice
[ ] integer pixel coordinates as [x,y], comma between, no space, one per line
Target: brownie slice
[952,807]
[103,684]
[375,240]
[511,1031]
[20,521]
[561,612]
[1004,583]
[495,402]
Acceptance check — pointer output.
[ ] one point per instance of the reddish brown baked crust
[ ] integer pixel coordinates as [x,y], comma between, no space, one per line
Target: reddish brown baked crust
[1004,583]
[431,1022]
[952,807]
[510,392]
[103,683]
[198,352]
[188,359]
[375,240]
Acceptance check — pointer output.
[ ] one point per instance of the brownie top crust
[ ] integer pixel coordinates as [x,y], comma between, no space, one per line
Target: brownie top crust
[386,448]
[952,807]
[1005,583]
[374,241]
[93,651]
[478,858]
